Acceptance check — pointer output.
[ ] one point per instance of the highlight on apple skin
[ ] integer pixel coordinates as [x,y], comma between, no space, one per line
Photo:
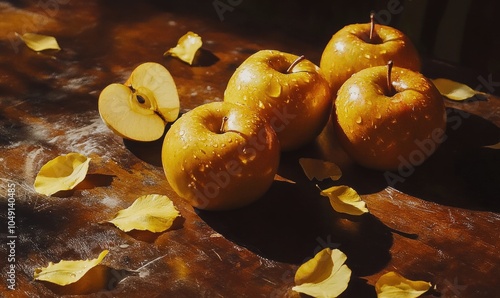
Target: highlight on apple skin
[288,91]
[354,48]
[220,156]
[380,128]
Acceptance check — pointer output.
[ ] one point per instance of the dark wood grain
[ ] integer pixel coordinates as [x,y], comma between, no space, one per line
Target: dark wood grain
[440,223]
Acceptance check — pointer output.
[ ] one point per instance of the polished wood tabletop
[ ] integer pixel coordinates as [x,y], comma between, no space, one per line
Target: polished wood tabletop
[440,222]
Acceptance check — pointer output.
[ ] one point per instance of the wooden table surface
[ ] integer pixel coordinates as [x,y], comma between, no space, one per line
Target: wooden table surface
[441,224]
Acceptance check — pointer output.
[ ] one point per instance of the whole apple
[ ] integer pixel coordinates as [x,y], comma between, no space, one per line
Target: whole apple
[288,91]
[387,118]
[220,156]
[359,46]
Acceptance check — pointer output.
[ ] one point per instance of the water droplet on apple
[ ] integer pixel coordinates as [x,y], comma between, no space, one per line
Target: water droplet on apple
[274,88]
[181,133]
[215,145]
[359,120]
[378,116]
[223,145]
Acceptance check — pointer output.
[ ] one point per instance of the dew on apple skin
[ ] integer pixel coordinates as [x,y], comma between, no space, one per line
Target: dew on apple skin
[274,89]
[359,120]
[378,116]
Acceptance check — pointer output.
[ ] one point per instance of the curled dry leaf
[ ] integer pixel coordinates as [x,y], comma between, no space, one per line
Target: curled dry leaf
[155,213]
[454,90]
[67,272]
[393,285]
[61,173]
[325,275]
[345,199]
[319,169]
[39,42]
[186,48]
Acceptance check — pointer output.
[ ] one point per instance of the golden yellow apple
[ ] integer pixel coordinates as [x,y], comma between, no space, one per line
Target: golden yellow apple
[288,91]
[220,156]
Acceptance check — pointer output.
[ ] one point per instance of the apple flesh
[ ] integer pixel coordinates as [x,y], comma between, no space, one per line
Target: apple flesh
[220,156]
[351,50]
[380,125]
[140,109]
[294,99]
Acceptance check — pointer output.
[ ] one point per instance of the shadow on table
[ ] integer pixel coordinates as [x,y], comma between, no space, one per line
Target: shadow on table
[462,172]
[292,222]
[149,152]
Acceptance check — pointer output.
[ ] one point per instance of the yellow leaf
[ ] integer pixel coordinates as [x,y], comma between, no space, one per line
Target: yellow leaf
[344,199]
[319,169]
[38,42]
[454,90]
[67,272]
[494,146]
[155,213]
[393,285]
[325,275]
[186,48]
[61,173]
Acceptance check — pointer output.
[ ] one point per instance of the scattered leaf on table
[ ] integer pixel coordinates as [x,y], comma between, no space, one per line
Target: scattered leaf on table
[283,179]
[67,272]
[186,48]
[454,90]
[344,199]
[393,285]
[319,169]
[325,275]
[155,213]
[61,173]
[38,42]
[494,146]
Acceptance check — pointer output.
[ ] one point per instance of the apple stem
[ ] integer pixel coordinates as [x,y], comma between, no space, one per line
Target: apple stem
[372,24]
[389,79]
[224,120]
[300,58]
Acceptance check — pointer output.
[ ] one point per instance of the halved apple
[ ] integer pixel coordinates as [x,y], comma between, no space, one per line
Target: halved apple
[140,109]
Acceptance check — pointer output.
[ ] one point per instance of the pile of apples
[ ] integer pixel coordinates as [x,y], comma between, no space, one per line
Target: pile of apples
[225,155]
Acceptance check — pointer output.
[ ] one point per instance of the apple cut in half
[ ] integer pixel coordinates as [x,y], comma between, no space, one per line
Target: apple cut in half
[140,109]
